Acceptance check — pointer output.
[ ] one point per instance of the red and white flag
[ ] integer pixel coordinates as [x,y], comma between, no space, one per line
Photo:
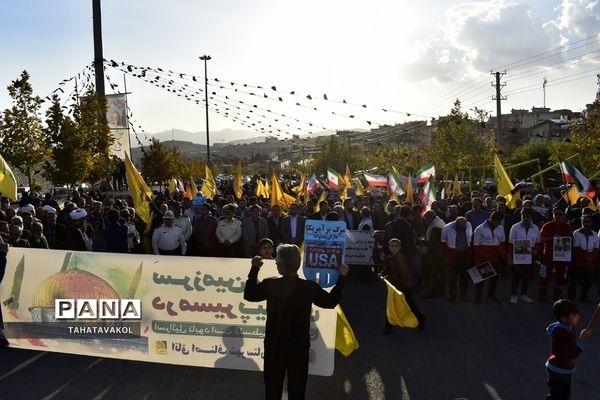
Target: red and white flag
[425,172]
[376,180]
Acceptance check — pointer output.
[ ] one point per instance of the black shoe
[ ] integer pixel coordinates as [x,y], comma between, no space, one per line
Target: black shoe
[493,299]
[465,299]
[477,300]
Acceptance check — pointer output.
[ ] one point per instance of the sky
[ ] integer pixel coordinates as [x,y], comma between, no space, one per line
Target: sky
[409,58]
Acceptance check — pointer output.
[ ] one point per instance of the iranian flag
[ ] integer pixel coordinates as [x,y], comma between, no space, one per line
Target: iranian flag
[376,180]
[312,184]
[427,196]
[572,175]
[425,172]
[334,179]
[394,184]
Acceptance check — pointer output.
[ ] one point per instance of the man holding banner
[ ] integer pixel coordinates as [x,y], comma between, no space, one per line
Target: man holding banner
[289,302]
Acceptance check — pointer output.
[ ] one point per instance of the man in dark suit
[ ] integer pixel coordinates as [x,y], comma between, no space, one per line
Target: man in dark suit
[274,222]
[292,227]
[351,217]
[254,228]
[323,211]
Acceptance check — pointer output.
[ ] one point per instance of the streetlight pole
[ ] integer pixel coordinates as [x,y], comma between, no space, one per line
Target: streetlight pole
[205,58]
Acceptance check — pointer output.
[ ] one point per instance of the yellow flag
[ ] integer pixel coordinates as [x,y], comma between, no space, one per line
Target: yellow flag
[278,196]
[504,184]
[345,340]
[397,310]
[572,195]
[209,187]
[321,198]
[409,190]
[261,190]
[238,184]
[360,190]
[8,183]
[193,187]
[268,188]
[300,190]
[140,192]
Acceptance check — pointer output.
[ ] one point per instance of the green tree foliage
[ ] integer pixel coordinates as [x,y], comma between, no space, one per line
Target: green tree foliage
[91,120]
[72,158]
[585,138]
[190,167]
[159,163]
[21,133]
[461,143]
[528,152]
[336,154]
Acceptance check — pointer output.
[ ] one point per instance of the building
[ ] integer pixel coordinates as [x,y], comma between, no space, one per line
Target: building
[536,125]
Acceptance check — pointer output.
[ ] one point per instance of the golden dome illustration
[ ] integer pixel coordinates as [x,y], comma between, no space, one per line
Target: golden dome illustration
[72,284]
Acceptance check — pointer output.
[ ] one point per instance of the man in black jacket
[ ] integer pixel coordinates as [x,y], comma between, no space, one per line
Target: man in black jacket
[289,303]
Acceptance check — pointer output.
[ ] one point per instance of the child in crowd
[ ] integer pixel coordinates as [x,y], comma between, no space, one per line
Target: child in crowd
[564,349]
[265,248]
[398,274]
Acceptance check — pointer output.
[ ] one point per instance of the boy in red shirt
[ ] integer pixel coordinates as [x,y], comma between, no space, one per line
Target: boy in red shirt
[564,349]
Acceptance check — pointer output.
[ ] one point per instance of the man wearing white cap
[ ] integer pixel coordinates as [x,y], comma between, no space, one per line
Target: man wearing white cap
[168,238]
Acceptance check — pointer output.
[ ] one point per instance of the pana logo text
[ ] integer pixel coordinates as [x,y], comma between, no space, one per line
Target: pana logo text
[98,309]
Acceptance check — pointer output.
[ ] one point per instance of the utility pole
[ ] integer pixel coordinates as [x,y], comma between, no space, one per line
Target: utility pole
[498,98]
[98,56]
[205,58]
[544,87]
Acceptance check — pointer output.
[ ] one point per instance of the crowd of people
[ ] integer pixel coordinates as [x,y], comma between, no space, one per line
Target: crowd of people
[439,245]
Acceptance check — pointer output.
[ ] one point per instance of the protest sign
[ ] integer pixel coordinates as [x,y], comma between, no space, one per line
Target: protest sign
[481,272]
[522,252]
[324,245]
[178,310]
[359,247]
[561,248]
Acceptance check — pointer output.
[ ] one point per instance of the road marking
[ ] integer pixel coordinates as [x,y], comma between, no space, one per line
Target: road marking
[405,395]
[373,380]
[57,391]
[101,395]
[23,365]
[493,393]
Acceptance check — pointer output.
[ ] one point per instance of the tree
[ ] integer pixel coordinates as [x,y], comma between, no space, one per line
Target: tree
[526,152]
[336,155]
[158,162]
[21,135]
[461,143]
[90,116]
[585,138]
[72,158]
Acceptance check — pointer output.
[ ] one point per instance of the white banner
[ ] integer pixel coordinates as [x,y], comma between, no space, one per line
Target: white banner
[193,310]
[121,144]
[359,247]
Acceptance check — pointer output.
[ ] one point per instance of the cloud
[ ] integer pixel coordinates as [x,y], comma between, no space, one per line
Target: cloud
[579,17]
[476,37]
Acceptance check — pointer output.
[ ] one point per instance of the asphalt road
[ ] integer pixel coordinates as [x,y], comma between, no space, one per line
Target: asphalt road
[468,351]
